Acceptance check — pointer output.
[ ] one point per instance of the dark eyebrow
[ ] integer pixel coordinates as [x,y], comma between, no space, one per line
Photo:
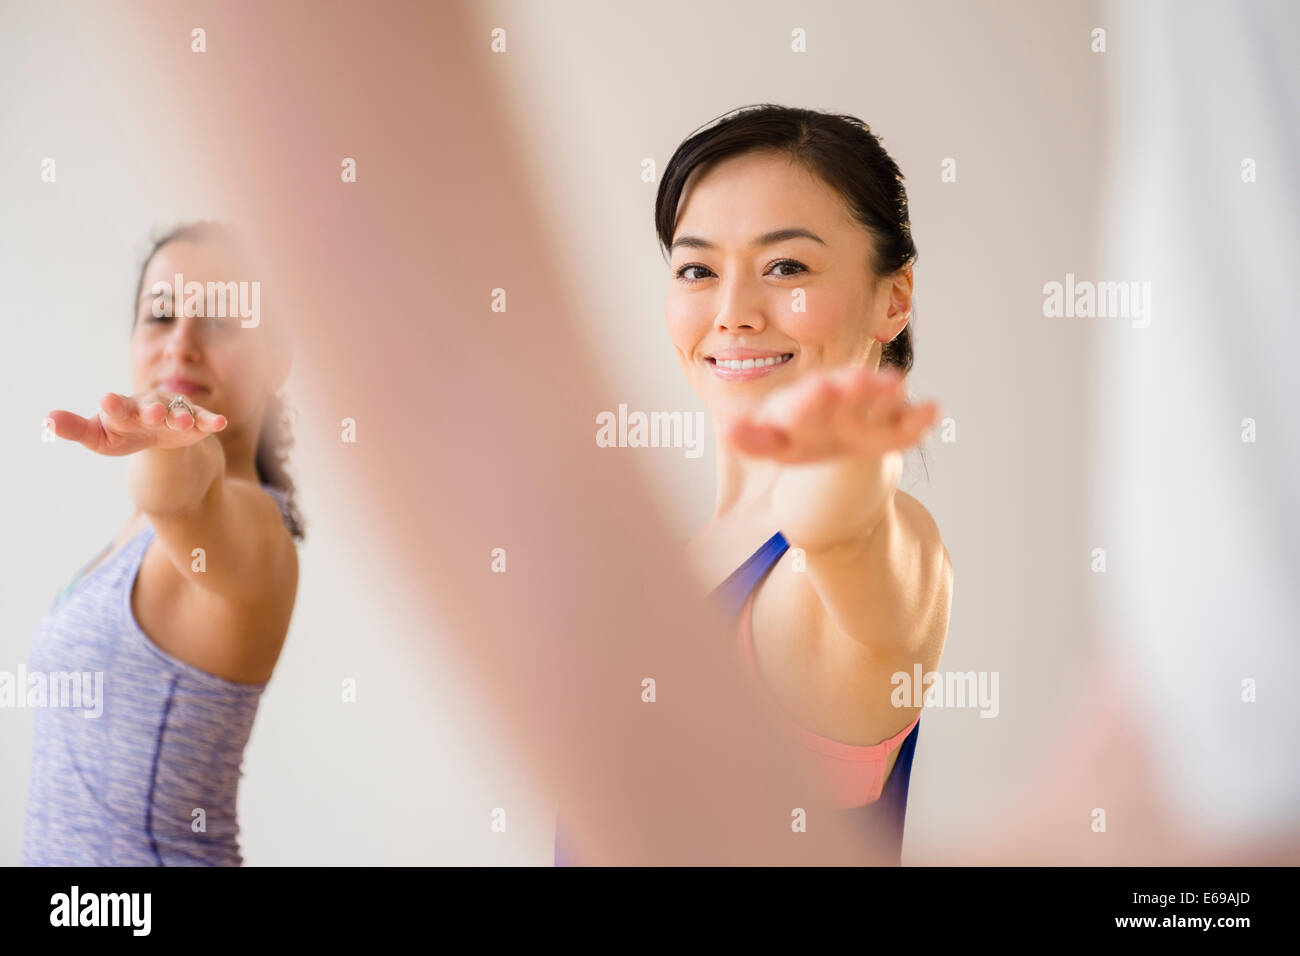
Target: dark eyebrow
[767,239]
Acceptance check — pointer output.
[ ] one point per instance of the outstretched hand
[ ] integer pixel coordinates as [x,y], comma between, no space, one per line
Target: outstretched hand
[825,415]
[127,424]
[839,437]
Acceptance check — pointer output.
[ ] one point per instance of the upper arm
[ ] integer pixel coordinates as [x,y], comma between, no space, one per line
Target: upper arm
[233,544]
[892,591]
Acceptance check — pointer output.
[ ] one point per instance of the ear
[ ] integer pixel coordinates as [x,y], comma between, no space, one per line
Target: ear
[900,306]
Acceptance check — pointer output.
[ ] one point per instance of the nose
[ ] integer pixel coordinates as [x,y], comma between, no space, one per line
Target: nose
[182,343]
[740,308]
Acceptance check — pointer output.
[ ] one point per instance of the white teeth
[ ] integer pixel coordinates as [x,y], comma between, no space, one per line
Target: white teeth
[738,364]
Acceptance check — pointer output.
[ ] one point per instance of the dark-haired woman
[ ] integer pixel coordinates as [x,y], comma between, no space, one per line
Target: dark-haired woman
[185,613]
[791,259]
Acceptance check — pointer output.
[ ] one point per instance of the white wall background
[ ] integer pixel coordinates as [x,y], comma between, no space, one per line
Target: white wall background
[1009,90]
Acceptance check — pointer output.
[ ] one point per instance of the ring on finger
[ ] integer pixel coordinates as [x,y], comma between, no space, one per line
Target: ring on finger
[183,403]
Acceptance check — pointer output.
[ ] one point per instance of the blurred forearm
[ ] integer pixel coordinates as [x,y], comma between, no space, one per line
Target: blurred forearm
[174,480]
[852,495]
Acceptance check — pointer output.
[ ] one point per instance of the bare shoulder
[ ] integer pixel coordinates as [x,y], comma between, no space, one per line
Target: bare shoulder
[236,631]
[232,546]
[257,558]
[275,568]
[252,500]
[920,525]
[935,564]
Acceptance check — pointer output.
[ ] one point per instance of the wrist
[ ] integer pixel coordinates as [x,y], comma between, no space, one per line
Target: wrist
[174,480]
[834,507]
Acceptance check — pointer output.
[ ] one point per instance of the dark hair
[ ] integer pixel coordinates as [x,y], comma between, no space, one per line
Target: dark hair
[275,437]
[841,150]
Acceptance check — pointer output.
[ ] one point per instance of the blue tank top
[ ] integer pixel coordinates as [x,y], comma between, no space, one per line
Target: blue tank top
[152,778]
[882,820]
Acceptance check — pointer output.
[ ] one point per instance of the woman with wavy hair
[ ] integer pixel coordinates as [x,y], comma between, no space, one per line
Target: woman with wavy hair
[789,305]
[185,613]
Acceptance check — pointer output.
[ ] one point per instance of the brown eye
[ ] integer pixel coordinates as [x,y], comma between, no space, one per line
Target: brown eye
[789,262]
[681,272]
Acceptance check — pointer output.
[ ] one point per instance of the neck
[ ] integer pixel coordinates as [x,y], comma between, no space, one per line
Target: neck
[241,458]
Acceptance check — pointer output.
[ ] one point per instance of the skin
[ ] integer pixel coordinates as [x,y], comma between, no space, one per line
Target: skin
[813,449]
[196,481]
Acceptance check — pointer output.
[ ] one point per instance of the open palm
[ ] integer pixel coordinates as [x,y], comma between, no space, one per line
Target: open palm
[825,415]
[127,424]
[839,436]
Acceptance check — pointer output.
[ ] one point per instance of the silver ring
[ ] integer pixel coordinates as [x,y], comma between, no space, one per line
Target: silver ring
[184,403]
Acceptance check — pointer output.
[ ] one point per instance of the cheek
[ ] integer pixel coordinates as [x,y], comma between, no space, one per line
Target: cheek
[238,369]
[687,323]
[814,324]
[142,356]
[825,320]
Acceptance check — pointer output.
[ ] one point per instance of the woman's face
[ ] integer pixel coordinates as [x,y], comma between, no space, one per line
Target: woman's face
[213,360]
[782,305]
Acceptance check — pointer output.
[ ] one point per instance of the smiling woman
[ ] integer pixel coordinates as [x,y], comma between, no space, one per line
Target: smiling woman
[186,612]
[791,260]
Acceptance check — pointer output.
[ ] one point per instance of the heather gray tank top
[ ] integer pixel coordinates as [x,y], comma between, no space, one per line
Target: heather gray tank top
[144,769]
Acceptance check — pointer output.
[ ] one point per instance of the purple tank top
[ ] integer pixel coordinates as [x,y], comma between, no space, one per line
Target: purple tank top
[136,755]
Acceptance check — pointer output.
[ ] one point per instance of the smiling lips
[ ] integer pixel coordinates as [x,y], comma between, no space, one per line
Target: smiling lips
[743,365]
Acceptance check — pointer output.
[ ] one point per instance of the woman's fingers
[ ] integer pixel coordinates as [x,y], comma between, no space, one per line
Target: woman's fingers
[789,423]
[72,427]
[115,406]
[888,421]
[802,408]
[911,426]
[157,411]
[202,420]
[883,399]
[131,423]
[843,411]
[757,439]
[153,411]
